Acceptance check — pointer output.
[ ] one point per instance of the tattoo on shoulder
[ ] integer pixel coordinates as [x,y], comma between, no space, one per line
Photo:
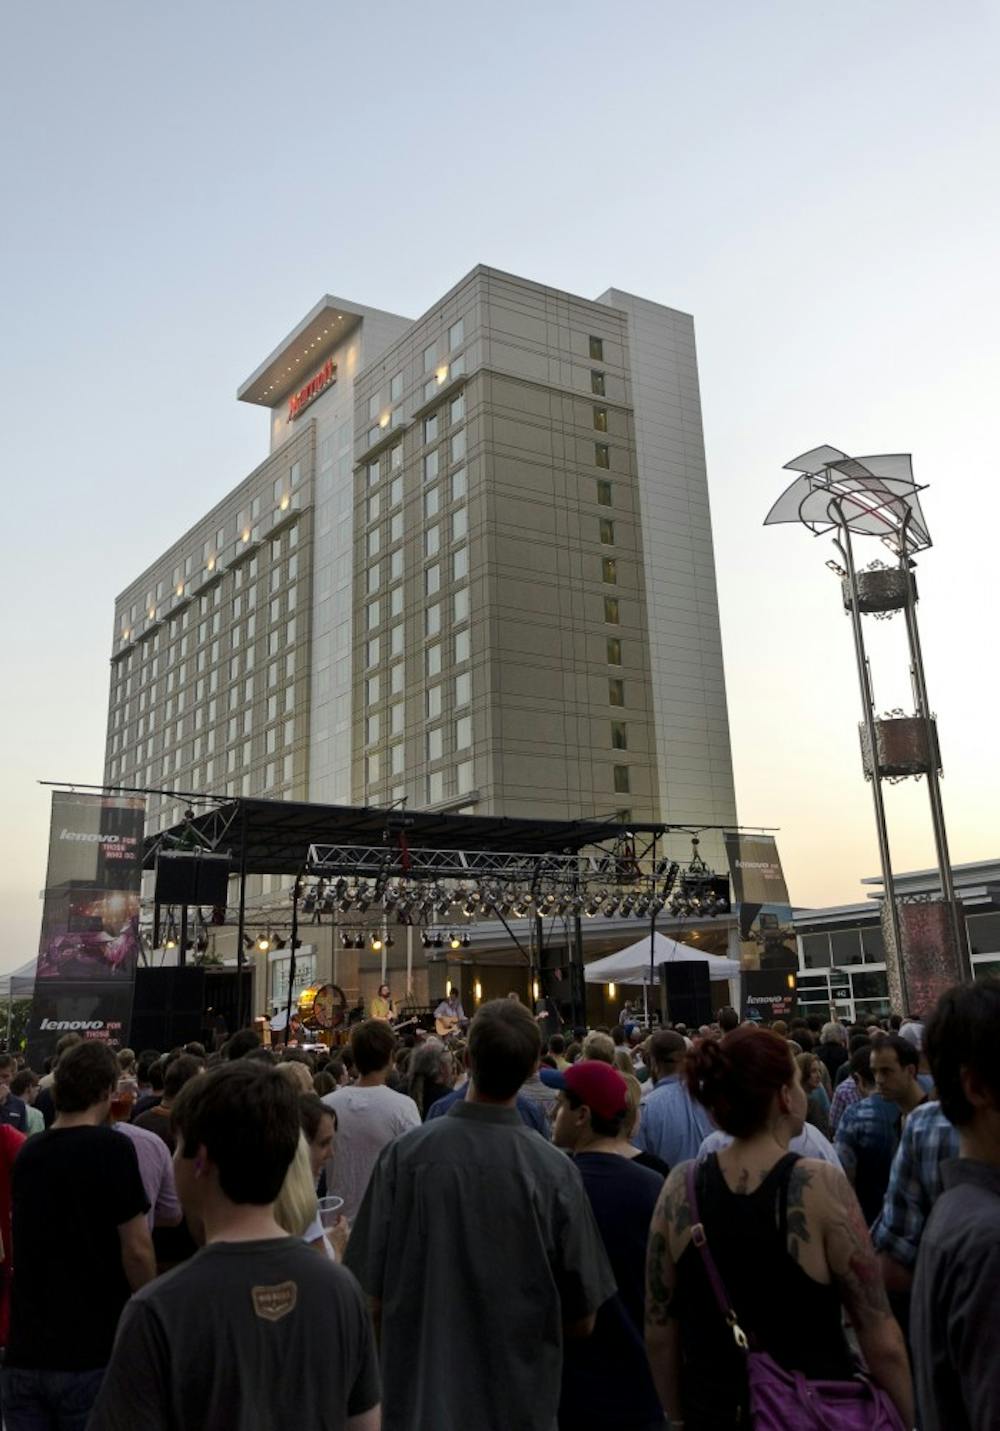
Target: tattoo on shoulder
[798,1226]
[659,1292]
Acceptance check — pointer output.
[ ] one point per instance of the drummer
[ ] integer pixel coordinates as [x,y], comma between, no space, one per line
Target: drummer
[382,1006]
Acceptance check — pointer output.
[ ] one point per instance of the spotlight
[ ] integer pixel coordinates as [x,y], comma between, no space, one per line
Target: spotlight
[329,902]
[593,906]
[309,901]
[610,908]
[376,944]
[263,943]
[655,905]
[466,941]
[454,942]
[388,941]
[425,939]
[340,888]
[438,940]
[170,944]
[469,906]
[362,897]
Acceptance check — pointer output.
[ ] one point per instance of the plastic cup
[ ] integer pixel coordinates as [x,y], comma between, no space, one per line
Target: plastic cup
[329,1210]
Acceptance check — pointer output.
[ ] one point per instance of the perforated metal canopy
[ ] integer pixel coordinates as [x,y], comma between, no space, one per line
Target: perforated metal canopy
[874,496]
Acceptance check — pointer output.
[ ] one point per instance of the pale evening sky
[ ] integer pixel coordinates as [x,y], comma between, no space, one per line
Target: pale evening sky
[816,184]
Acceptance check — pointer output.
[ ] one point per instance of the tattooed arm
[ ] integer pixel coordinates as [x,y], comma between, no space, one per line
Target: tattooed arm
[855,1269]
[670,1219]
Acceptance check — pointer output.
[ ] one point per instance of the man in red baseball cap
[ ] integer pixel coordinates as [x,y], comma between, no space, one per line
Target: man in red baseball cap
[590,1116]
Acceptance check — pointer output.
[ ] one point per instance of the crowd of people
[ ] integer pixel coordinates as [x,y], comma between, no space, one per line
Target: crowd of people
[591,1230]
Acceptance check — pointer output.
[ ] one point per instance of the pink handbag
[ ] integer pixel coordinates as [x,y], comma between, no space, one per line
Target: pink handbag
[783,1400]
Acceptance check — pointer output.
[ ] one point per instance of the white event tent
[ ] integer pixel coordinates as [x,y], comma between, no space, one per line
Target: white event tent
[631,965]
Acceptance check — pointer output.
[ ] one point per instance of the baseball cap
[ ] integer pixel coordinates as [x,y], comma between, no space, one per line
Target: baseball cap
[597,1085]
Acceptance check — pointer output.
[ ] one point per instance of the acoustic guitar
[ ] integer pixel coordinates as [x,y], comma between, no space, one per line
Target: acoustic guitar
[445,1027]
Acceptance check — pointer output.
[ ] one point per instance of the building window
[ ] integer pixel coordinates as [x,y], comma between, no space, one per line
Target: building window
[463,732]
[396,387]
[456,410]
[432,660]
[463,646]
[602,454]
[430,466]
[397,759]
[395,491]
[372,768]
[458,366]
[374,433]
[458,445]
[460,564]
[396,640]
[459,524]
[395,566]
[611,610]
[374,506]
[372,694]
[373,615]
[372,729]
[621,784]
[614,651]
[430,358]
[397,713]
[396,602]
[616,691]
[463,688]
[432,579]
[373,542]
[435,787]
[396,457]
[431,427]
[456,335]
[396,527]
[597,383]
[373,406]
[432,541]
[432,502]
[461,609]
[607,532]
[459,485]
[619,735]
[433,702]
[435,743]
[372,652]
[596,347]
[601,419]
[432,620]
[465,777]
[609,570]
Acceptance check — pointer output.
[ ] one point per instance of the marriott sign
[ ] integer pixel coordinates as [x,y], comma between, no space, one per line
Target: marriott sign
[324,379]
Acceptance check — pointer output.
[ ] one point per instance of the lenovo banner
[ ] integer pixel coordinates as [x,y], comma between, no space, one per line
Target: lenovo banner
[760,898]
[85,975]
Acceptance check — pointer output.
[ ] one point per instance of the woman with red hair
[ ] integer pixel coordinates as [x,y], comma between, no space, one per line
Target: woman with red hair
[11,1143]
[787,1237]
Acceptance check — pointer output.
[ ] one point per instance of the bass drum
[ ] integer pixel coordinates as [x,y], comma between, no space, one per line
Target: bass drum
[323,1007]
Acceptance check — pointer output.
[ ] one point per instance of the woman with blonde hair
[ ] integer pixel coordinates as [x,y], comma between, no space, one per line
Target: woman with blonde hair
[295,1208]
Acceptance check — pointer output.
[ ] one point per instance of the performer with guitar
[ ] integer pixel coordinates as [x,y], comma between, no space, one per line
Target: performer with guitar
[382,1006]
[449,1016]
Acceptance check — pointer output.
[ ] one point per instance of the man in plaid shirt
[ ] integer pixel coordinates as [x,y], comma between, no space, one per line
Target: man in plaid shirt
[914,1185]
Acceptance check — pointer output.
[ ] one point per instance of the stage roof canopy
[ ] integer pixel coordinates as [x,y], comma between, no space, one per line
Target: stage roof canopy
[275,835]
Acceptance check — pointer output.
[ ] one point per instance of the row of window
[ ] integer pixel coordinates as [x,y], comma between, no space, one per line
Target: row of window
[391,414]
[243,529]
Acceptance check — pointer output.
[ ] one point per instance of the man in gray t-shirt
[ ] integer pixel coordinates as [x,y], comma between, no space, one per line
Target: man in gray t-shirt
[257,1330]
[478,1248]
[369,1114]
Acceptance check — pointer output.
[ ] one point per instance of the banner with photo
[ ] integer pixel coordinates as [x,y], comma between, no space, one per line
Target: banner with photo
[760,900]
[89,945]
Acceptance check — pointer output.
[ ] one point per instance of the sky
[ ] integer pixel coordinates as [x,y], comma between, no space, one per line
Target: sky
[818,185]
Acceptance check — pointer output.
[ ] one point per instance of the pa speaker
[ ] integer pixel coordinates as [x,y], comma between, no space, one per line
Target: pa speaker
[688,991]
[168,1008]
[191,877]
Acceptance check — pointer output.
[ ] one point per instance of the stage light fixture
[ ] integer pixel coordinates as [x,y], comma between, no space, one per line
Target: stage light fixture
[376,944]
[438,940]
[425,939]
[466,941]
[454,942]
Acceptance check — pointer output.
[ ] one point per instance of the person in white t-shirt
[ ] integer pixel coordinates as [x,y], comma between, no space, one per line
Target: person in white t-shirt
[810,1143]
[369,1115]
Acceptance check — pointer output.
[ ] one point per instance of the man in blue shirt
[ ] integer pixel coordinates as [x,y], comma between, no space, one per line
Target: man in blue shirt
[867,1135]
[673,1125]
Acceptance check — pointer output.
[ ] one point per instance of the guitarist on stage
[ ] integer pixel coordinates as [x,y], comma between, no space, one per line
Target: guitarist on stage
[382,1006]
[449,1016]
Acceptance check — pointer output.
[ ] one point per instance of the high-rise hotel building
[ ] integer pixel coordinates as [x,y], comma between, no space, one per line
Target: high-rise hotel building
[475,571]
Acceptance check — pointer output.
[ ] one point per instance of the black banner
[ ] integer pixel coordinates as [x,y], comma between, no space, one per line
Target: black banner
[89,944]
[760,898]
[768,994]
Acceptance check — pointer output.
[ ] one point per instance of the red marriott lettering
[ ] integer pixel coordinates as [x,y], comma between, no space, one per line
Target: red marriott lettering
[299,401]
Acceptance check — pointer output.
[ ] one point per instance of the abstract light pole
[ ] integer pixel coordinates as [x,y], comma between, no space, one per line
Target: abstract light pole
[926,945]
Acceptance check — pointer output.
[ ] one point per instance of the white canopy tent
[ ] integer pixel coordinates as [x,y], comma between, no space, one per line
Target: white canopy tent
[631,965]
[19,983]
